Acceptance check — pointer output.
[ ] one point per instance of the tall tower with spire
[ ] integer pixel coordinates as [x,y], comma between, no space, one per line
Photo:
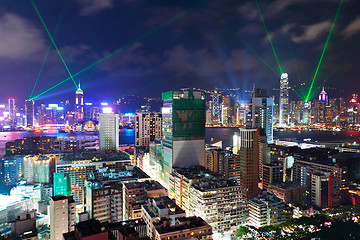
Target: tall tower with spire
[284,100]
[79,104]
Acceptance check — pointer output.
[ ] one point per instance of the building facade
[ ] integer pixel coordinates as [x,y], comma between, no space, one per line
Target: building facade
[147,128]
[109,131]
[62,216]
[183,126]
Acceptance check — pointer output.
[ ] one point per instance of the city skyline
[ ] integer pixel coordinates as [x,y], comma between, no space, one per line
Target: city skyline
[132,47]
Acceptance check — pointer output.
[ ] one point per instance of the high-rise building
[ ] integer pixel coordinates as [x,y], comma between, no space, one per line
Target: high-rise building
[12,112]
[249,162]
[166,220]
[104,192]
[260,113]
[62,216]
[44,169]
[323,97]
[137,193]
[109,131]
[24,227]
[271,174]
[79,166]
[79,104]
[62,184]
[216,107]
[13,168]
[205,194]
[29,113]
[306,115]
[183,129]
[147,128]
[266,211]
[284,100]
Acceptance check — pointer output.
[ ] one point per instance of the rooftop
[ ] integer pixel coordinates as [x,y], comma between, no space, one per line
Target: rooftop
[90,227]
[104,176]
[204,179]
[60,197]
[162,203]
[147,185]
[182,223]
[95,156]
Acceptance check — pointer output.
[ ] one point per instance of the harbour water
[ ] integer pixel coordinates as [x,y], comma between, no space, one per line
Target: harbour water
[127,136]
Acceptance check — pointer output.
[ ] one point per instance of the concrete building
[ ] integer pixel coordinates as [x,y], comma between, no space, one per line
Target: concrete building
[208,195]
[249,162]
[272,174]
[306,174]
[24,227]
[62,216]
[266,211]
[104,191]
[166,220]
[148,128]
[88,230]
[109,131]
[321,190]
[79,165]
[130,229]
[136,194]
[183,126]
[13,206]
[160,208]
[184,228]
[75,143]
[260,113]
[288,192]
[44,168]
[37,192]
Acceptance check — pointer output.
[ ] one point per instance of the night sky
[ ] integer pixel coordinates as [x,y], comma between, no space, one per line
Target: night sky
[164,45]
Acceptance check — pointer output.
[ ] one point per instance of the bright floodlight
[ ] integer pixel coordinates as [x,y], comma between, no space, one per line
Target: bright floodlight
[107,110]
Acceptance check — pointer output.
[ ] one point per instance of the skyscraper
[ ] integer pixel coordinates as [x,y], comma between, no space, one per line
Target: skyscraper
[62,216]
[260,113]
[62,184]
[284,100]
[29,113]
[249,162]
[147,128]
[12,112]
[79,104]
[183,129]
[109,131]
[215,107]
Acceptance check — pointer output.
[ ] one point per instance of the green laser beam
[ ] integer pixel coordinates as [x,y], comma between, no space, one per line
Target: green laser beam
[323,52]
[173,19]
[245,44]
[154,84]
[302,98]
[49,48]
[53,42]
[267,33]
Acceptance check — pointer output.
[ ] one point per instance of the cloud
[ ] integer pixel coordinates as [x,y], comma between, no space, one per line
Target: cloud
[94,6]
[133,61]
[20,39]
[249,11]
[206,63]
[352,28]
[311,32]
